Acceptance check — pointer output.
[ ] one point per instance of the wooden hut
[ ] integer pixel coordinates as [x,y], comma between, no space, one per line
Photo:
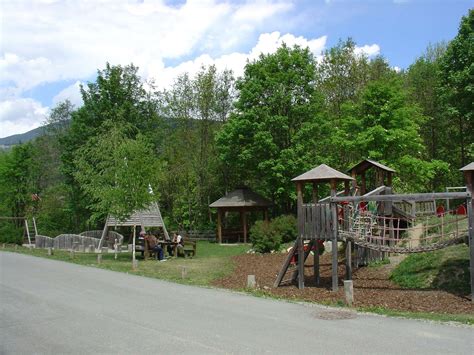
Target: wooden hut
[242,200]
[316,176]
[383,174]
[150,217]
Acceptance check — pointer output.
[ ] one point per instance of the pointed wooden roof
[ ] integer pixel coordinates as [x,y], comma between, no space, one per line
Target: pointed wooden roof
[241,197]
[367,164]
[150,217]
[322,173]
[468,167]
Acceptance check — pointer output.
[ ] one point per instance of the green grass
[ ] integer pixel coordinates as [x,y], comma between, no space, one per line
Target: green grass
[445,269]
[439,317]
[379,263]
[211,262]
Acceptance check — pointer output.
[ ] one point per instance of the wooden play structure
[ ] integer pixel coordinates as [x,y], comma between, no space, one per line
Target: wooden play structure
[243,201]
[378,220]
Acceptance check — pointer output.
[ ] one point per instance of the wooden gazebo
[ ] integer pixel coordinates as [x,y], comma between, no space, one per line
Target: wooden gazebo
[383,174]
[242,200]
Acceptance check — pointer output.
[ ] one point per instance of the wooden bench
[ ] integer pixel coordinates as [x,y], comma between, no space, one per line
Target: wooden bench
[189,248]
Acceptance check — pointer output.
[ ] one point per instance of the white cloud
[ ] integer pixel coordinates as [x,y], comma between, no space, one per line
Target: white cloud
[71,93]
[369,50]
[267,43]
[46,41]
[20,115]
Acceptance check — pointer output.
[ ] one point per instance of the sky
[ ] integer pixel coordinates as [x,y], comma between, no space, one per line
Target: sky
[48,48]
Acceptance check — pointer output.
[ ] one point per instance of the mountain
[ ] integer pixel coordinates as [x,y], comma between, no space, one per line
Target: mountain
[9,141]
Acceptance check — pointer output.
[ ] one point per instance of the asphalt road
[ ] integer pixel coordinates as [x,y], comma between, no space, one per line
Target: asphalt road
[51,307]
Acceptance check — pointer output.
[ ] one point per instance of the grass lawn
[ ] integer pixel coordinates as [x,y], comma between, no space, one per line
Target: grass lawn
[445,269]
[211,262]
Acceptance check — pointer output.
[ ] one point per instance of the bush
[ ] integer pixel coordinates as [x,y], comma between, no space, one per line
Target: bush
[285,226]
[264,237]
[10,234]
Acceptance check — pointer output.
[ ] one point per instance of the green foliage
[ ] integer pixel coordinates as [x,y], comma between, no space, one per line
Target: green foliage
[264,237]
[285,226]
[446,269]
[10,232]
[274,132]
[116,171]
[457,91]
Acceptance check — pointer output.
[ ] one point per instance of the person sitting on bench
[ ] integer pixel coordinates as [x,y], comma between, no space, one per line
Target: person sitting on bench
[180,244]
[154,246]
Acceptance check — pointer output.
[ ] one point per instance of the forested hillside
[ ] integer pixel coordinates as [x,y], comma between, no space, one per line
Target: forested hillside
[210,133]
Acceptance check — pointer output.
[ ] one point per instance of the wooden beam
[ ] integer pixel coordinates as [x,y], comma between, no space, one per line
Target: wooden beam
[133,245]
[363,183]
[316,268]
[299,193]
[408,197]
[334,236]
[469,176]
[219,226]
[244,224]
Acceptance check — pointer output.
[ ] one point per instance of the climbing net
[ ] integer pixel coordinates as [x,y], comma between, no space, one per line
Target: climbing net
[420,233]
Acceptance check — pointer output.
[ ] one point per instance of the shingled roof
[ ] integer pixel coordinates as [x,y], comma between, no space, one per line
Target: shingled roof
[242,197]
[150,217]
[468,167]
[367,163]
[322,173]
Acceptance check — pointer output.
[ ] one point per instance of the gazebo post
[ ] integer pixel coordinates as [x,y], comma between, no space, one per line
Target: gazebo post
[334,236]
[363,184]
[468,171]
[316,244]
[243,218]
[299,191]
[133,246]
[348,242]
[219,225]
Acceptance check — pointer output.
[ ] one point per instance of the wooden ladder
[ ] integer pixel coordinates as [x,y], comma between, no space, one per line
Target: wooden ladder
[289,267]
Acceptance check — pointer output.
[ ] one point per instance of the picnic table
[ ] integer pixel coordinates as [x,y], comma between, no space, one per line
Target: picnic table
[189,247]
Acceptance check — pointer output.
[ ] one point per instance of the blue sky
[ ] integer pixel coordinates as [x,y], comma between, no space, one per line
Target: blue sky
[49,47]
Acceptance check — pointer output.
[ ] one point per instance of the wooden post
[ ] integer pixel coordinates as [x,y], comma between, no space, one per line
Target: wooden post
[27,231]
[299,192]
[334,236]
[265,213]
[363,183]
[317,276]
[133,245]
[34,226]
[219,225]
[469,176]
[243,217]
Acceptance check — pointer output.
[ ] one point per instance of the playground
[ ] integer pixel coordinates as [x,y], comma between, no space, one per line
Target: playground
[373,288]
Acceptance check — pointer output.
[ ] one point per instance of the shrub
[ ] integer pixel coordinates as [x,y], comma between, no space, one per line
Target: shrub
[10,234]
[264,237]
[285,226]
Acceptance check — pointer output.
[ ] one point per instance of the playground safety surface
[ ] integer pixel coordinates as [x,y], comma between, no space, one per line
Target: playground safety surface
[372,287]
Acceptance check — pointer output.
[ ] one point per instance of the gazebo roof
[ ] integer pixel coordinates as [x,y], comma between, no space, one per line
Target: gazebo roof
[242,197]
[468,167]
[150,217]
[322,173]
[367,164]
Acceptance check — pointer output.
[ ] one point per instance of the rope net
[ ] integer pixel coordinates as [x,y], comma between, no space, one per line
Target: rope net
[420,233]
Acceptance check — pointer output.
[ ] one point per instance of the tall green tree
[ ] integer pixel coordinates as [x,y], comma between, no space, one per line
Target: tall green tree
[457,92]
[423,82]
[117,95]
[274,132]
[116,171]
